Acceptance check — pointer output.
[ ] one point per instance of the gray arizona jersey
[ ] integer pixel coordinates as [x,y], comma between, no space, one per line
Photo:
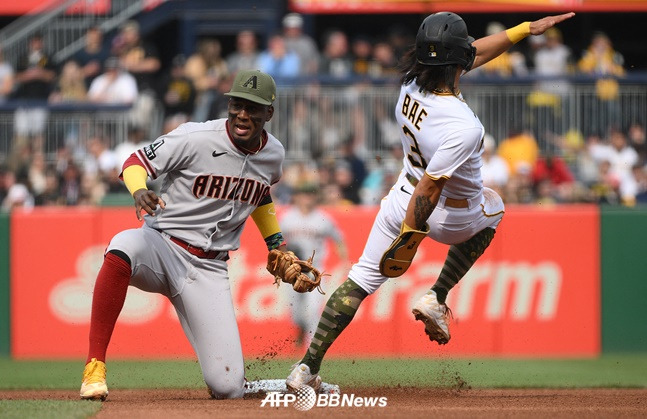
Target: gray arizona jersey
[211,186]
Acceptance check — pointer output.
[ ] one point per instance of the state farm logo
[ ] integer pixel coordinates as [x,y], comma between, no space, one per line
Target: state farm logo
[71,299]
[305,398]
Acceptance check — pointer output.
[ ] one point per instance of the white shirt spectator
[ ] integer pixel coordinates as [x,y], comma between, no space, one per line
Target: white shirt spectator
[495,172]
[114,87]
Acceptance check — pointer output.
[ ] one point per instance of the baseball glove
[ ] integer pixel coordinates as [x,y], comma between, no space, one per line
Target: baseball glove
[287,267]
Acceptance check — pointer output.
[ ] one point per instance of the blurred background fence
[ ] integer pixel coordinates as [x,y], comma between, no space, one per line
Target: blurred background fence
[314,119]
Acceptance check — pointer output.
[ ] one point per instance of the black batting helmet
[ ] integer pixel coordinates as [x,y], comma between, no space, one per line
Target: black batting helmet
[442,39]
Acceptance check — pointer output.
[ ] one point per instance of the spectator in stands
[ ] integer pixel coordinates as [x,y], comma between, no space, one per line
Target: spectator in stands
[246,54]
[519,189]
[141,59]
[70,184]
[622,158]
[35,77]
[640,175]
[384,61]
[7,77]
[361,49]
[302,129]
[70,84]
[551,61]
[115,86]
[207,69]
[356,166]
[401,38]
[606,188]
[135,140]
[519,150]
[509,63]
[18,195]
[638,140]
[336,61]
[552,179]
[278,61]
[51,193]
[177,94]
[137,56]
[100,171]
[301,44]
[4,171]
[333,196]
[495,171]
[93,54]
[218,108]
[606,65]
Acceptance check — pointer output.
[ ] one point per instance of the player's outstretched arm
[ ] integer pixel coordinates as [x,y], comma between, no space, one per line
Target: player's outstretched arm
[490,47]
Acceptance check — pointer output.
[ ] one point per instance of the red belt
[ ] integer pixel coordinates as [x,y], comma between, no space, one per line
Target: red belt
[196,251]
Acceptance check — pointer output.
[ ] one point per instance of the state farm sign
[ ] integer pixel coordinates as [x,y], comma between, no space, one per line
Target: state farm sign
[528,295]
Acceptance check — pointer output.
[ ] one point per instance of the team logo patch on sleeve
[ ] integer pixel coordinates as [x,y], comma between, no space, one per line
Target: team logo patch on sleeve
[149,150]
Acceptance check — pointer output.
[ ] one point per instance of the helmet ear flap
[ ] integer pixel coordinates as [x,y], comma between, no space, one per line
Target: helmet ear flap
[470,58]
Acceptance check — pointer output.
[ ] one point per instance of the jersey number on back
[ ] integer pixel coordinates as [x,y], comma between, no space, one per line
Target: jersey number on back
[415,157]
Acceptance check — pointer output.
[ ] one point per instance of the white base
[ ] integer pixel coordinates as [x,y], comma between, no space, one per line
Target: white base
[265,386]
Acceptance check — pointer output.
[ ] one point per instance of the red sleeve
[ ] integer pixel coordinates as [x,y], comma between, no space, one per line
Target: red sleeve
[133,160]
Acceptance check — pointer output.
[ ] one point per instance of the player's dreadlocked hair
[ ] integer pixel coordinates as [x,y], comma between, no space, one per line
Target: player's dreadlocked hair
[428,77]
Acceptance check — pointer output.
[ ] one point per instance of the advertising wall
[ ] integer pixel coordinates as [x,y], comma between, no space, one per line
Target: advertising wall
[535,292]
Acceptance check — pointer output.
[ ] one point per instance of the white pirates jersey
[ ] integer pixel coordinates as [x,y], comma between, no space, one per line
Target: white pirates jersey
[211,186]
[441,135]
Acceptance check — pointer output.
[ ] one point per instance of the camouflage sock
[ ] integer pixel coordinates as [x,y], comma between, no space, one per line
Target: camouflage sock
[460,259]
[338,313]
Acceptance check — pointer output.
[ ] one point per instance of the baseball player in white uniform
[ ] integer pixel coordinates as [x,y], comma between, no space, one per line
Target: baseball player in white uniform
[218,173]
[439,193]
[307,229]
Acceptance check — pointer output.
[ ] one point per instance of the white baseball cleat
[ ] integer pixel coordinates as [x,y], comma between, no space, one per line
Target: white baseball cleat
[435,316]
[300,375]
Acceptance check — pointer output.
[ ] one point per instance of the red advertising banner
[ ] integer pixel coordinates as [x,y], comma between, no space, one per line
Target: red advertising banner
[535,292]
[464,6]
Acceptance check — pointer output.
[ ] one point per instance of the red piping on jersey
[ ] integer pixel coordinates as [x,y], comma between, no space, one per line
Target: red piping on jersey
[242,150]
[134,160]
[146,163]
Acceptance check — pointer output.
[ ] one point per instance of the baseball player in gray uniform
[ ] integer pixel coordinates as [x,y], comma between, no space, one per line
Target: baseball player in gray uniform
[218,173]
[439,193]
[306,228]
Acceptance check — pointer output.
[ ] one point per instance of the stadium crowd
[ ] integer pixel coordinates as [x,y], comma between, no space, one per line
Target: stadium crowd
[606,163]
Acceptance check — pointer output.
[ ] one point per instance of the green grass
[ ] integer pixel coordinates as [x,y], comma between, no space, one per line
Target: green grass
[606,371]
[51,409]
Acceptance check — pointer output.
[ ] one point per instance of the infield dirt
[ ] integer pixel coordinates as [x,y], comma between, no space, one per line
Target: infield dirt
[401,402]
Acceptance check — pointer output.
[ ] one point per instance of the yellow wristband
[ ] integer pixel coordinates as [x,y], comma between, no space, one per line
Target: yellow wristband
[135,178]
[519,32]
[265,219]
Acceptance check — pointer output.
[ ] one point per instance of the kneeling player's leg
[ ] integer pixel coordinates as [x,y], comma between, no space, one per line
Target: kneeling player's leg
[108,299]
[206,312]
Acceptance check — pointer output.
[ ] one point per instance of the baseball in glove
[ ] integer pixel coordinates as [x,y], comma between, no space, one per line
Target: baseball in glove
[287,267]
